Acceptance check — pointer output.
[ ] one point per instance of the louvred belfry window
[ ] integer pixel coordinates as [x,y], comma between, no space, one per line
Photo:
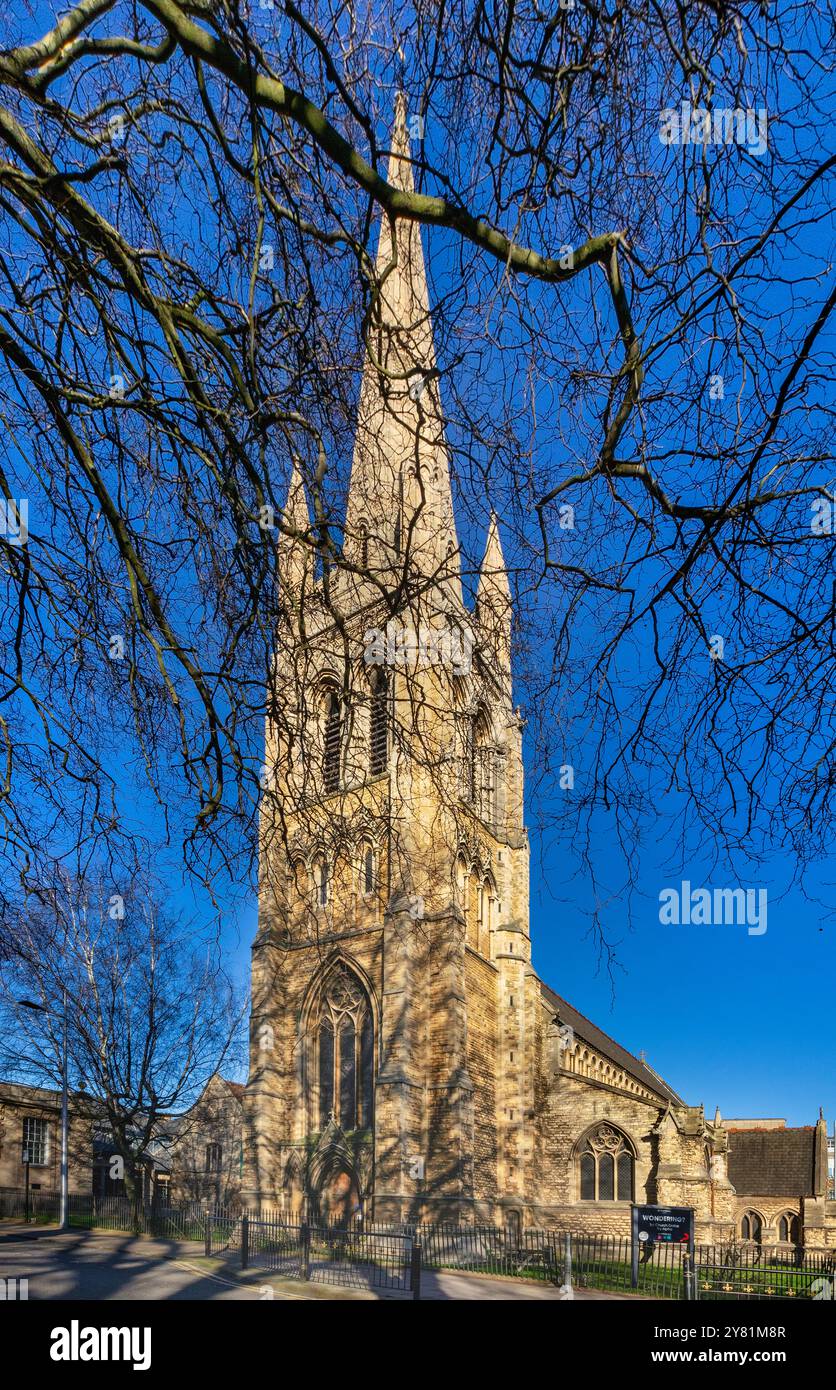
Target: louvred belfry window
[333,742]
[379,725]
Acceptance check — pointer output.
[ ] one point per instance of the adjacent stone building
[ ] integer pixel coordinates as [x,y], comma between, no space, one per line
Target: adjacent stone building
[195,1156]
[780,1180]
[201,1151]
[30,1128]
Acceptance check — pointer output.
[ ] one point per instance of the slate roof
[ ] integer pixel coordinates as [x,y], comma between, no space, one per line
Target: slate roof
[781,1162]
[592,1034]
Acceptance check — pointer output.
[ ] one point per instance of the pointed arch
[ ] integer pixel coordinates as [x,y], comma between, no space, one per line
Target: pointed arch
[481,764]
[368,868]
[339,1027]
[363,544]
[293,1184]
[605,1162]
[487,914]
[321,879]
[298,877]
[460,874]
[789,1228]
[474,898]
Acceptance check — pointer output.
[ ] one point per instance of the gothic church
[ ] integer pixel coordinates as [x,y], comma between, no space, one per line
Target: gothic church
[407,1063]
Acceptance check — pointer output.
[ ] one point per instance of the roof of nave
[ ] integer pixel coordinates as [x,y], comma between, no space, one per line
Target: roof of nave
[584,1028]
[778,1162]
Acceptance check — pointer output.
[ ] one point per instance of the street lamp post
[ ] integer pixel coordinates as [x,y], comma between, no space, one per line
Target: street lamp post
[65,1122]
[26,1186]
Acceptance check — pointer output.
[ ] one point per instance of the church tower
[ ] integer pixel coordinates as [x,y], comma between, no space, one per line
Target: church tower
[394,1006]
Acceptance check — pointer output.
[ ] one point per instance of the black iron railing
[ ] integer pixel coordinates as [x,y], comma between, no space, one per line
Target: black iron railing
[379,1256]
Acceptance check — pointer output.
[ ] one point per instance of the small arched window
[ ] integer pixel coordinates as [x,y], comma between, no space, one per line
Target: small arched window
[468,789]
[474,908]
[299,877]
[461,882]
[332,741]
[379,724]
[368,869]
[482,775]
[363,545]
[606,1167]
[751,1227]
[789,1228]
[486,915]
[321,880]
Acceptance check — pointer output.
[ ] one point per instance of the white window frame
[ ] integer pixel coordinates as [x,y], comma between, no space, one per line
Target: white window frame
[26,1144]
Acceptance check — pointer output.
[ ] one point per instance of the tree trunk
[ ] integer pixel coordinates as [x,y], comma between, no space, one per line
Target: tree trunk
[133,1188]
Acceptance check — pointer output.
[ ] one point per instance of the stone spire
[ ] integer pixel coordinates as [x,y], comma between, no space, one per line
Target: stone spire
[400,505]
[493,599]
[295,558]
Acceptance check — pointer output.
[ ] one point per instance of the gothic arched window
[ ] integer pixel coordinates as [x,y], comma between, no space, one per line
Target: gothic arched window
[343,1061]
[299,878]
[789,1228]
[474,908]
[482,772]
[751,1227]
[368,869]
[487,900]
[379,724]
[321,880]
[461,882]
[468,786]
[363,545]
[605,1166]
[332,743]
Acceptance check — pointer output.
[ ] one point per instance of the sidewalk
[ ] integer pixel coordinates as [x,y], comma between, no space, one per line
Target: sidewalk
[115,1264]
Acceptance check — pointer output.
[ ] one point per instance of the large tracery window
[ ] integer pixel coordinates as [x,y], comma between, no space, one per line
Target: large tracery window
[605,1167]
[344,1054]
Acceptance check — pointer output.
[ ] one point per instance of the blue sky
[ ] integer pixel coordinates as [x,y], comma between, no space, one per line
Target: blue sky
[739,1021]
[726,1018]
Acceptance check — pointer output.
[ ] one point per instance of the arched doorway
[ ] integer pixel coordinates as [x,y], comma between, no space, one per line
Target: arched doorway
[338,1199]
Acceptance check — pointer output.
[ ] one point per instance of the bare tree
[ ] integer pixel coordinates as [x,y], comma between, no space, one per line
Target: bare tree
[628,212]
[151,1015]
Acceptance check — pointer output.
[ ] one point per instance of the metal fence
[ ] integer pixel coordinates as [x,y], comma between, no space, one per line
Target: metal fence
[112,1213]
[360,1258]
[391,1257]
[493,1250]
[605,1262]
[734,1273]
